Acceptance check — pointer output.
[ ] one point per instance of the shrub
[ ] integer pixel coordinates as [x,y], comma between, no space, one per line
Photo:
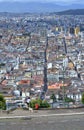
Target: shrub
[69,99]
[35,101]
[82,99]
[45,104]
[41,103]
[53,97]
[2,102]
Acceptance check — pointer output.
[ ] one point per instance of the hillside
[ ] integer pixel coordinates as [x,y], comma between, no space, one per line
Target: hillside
[36,7]
[72,12]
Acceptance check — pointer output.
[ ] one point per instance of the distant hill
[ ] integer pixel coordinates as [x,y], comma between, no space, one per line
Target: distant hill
[36,7]
[72,12]
[33,7]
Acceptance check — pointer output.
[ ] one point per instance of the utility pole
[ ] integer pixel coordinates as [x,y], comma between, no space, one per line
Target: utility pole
[63,86]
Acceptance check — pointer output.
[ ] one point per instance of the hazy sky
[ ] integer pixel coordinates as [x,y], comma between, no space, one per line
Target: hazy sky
[58,1]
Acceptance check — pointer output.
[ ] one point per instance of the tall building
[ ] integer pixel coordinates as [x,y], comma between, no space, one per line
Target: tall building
[77,30]
[71,30]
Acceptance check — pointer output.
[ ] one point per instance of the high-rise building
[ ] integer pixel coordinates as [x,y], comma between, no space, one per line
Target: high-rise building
[77,30]
[71,30]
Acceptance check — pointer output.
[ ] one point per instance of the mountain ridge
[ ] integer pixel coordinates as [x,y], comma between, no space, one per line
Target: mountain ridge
[71,12]
[37,7]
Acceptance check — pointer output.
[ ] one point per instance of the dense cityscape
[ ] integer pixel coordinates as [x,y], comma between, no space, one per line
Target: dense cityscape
[41,65]
[41,55]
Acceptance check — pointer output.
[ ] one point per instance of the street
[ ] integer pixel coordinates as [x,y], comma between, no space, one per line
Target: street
[75,122]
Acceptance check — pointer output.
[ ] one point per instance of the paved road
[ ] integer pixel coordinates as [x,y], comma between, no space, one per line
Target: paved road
[75,122]
[20,112]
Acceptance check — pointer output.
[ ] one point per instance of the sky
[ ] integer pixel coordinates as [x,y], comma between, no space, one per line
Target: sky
[58,1]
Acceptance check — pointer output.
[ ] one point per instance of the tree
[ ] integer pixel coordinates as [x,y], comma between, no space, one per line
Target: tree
[53,97]
[40,103]
[67,99]
[2,102]
[82,98]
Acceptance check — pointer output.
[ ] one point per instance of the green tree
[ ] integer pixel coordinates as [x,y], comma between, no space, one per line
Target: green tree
[41,103]
[67,99]
[82,99]
[53,97]
[2,102]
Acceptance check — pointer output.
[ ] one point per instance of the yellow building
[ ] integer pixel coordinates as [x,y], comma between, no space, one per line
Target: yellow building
[77,30]
[70,65]
[57,28]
